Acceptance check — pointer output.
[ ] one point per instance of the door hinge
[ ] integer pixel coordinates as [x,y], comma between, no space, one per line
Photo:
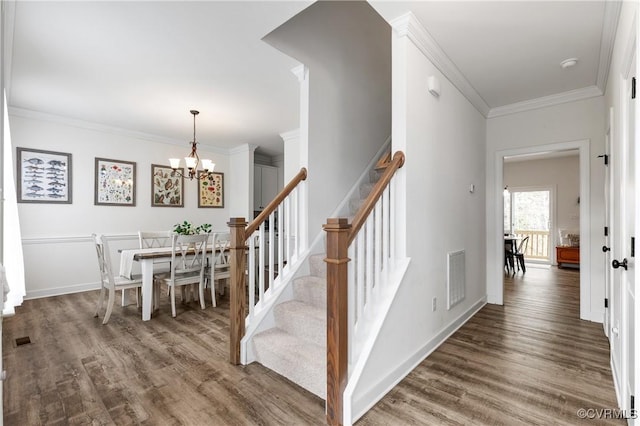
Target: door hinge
[606,231]
[633,246]
[633,402]
[633,87]
[606,303]
[606,158]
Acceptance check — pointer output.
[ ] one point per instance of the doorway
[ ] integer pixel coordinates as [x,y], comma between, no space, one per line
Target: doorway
[582,202]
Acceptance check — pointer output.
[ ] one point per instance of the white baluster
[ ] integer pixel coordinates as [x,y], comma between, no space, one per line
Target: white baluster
[351,301]
[261,248]
[360,280]
[272,259]
[251,285]
[280,241]
[377,251]
[385,231]
[369,255]
[288,228]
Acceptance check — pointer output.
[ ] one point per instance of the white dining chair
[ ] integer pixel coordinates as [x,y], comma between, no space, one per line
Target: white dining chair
[153,239]
[219,269]
[188,258]
[161,268]
[109,282]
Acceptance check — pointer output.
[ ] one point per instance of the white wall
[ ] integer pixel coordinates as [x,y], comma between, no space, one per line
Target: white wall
[346,47]
[444,142]
[55,235]
[574,121]
[241,188]
[563,175]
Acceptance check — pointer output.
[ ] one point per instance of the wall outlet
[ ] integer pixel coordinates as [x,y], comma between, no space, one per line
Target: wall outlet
[434,304]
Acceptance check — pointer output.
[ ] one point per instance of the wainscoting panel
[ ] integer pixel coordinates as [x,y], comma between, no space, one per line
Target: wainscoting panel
[67,264]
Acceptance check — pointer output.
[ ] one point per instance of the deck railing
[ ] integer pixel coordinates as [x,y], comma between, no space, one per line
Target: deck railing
[359,257]
[538,246]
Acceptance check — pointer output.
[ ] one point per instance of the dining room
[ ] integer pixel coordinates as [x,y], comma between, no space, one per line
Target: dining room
[59,256]
[541,212]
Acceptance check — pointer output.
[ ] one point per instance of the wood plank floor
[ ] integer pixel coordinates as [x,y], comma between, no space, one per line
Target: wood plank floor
[530,362]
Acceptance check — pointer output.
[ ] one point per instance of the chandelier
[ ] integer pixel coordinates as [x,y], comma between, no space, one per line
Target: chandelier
[192,160]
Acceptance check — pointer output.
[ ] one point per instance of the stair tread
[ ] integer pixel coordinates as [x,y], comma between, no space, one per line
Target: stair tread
[303,320]
[311,289]
[300,308]
[300,361]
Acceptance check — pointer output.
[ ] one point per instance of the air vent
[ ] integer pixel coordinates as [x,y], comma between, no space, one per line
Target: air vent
[23,341]
[456,281]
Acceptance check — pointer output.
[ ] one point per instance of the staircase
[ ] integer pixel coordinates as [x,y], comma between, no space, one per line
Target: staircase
[296,347]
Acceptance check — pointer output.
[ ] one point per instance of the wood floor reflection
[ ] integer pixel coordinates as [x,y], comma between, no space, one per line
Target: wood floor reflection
[531,361]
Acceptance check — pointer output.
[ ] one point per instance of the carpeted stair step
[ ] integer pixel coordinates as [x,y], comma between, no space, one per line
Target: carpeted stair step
[299,361]
[302,320]
[311,290]
[317,265]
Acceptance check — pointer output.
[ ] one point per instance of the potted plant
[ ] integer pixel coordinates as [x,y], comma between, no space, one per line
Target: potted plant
[187,228]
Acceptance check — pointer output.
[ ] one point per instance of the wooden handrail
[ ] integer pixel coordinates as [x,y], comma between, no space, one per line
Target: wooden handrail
[273,205]
[376,193]
[340,235]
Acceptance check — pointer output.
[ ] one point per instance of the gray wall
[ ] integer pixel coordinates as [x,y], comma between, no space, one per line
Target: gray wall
[347,48]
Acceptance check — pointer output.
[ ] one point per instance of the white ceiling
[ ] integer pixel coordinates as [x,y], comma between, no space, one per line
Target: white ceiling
[142,65]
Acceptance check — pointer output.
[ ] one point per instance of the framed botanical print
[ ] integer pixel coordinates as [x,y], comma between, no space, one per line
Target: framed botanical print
[115,183]
[43,176]
[167,187]
[211,189]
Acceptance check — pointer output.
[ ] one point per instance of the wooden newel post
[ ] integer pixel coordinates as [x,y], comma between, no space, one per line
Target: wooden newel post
[237,293]
[337,245]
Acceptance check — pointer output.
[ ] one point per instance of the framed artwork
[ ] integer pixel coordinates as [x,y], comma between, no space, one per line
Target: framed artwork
[167,187]
[115,183]
[211,190]
[43,176]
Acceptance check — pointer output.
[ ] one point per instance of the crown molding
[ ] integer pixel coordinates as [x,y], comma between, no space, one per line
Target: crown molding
[300,72]
[607,41]
[103,128]
[546,101]
[247,147]
[291,135]
[409,26]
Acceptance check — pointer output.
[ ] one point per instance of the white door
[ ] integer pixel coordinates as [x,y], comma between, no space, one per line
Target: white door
[608,208]
[628,274]
[623,343]
[616,232]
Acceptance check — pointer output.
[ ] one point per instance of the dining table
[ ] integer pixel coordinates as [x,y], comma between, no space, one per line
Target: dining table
[512,242]
[146,257]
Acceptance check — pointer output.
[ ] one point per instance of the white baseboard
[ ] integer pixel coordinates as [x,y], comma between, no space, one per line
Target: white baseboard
[378,391]
[494,299]
[50,292]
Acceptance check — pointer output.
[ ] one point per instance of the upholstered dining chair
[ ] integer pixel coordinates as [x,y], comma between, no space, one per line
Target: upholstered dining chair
[188,258]
[109,282]
[219,269]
